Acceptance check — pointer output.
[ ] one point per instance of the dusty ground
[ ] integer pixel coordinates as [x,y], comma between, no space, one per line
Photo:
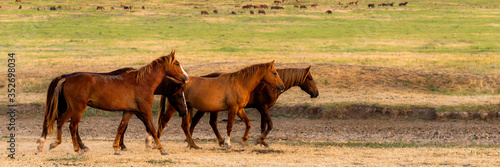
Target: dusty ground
[294,142]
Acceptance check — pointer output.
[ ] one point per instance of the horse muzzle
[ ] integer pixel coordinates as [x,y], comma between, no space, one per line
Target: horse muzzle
[185,79]
[280,89]
[315,94]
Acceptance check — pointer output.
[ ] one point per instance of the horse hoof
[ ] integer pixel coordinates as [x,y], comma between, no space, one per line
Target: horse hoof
[40,148]
[228,146]
[164,153]
[53,145]
[117,153]
[124,149]
[86,149]
[83,152]
[196,147]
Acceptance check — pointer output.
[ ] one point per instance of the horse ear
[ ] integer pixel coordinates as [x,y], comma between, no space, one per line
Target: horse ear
[272,64]
[172,53]
[307,71]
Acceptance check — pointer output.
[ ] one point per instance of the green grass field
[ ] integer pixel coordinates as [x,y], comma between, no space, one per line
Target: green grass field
[453,36]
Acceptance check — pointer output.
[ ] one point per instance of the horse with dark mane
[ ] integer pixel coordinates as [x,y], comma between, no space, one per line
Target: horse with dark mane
[230,91]
[263,97]
[131,92]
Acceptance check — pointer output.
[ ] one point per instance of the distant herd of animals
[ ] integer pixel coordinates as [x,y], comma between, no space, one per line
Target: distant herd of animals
[261,7]
[131,91]
[38,8]
[264,6]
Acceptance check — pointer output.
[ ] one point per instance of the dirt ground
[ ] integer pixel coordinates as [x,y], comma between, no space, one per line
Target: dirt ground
[293,141]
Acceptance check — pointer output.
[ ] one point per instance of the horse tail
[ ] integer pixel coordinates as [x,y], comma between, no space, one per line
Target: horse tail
[51,109]
[160,115]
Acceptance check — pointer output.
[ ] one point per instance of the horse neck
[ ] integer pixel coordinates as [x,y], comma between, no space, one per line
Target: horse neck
[288,78]
[250,81]
[154,76]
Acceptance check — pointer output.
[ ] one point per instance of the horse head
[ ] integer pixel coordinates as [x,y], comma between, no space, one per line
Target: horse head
[174,69]
[272,78]
[308,84]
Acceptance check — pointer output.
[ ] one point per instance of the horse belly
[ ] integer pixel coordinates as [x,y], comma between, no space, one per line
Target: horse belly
[208,104]
[112,100]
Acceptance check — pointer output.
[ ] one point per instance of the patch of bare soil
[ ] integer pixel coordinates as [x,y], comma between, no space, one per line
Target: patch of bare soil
[291,140]
[290,129]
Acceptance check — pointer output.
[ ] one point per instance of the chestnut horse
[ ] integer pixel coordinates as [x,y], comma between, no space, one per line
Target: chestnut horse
[229,92]
[169,88]
[263,97]
[131,92]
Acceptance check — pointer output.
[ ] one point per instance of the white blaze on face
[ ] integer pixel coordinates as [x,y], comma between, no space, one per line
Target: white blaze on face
[185,105]
[183,71]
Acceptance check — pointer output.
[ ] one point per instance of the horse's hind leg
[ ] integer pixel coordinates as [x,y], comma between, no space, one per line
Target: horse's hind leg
[213,124]
[73,127]
[244,116]
[41,140]
[80,143]
[60,122]
[121,129]
[122,145]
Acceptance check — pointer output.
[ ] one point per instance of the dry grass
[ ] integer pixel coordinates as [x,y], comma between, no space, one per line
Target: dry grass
[280,154]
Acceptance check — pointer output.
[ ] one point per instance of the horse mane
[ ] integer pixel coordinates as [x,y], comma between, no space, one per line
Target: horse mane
[244,74]
[292,76]
[143,71]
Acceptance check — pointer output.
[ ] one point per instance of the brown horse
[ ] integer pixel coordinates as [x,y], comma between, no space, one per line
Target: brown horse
[169,88]
[131,92]
[263,97]
[229,92]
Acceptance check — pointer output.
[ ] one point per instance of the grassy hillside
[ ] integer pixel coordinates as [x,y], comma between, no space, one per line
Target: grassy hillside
[423,37]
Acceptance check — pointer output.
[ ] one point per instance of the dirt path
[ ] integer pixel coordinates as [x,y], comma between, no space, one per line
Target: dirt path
[279,155]
[292,143]
[292,129]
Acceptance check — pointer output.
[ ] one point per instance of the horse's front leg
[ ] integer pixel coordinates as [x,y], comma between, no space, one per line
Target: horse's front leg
[186,120]
[230,121]
[146,113]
